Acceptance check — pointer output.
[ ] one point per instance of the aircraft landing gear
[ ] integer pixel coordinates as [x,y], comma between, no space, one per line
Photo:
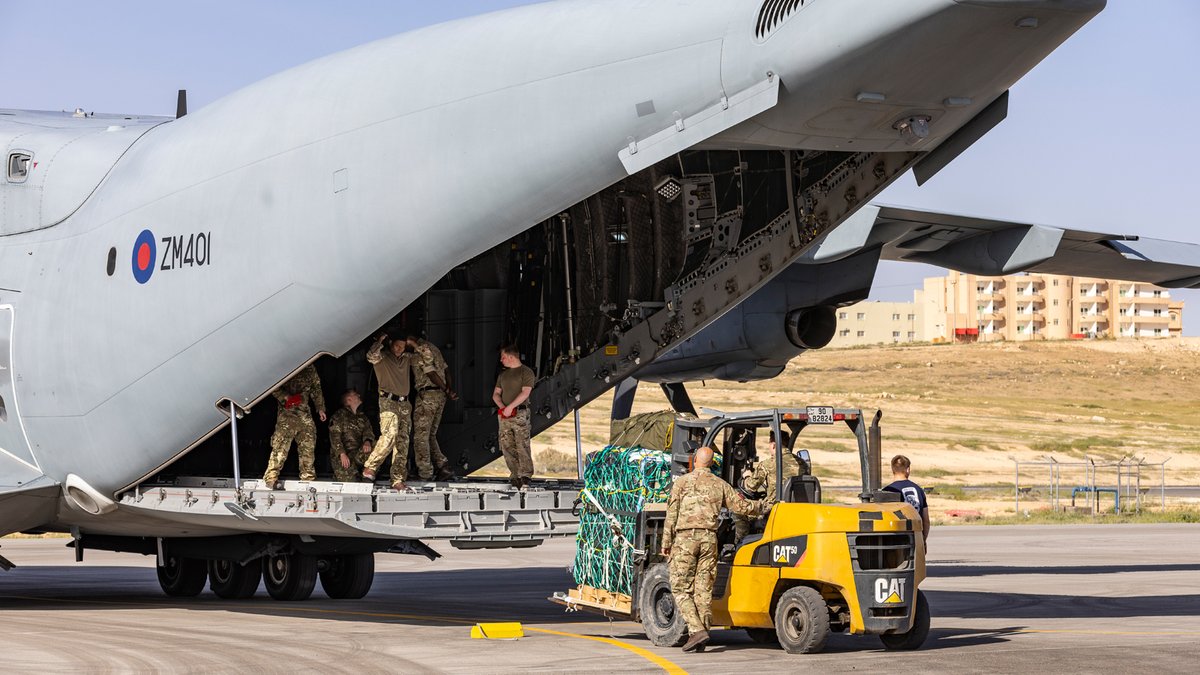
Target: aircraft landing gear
[290,577]
[182,577]
[347,577]
[232,581]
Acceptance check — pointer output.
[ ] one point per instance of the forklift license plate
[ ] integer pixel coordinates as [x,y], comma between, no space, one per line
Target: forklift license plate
[820,414]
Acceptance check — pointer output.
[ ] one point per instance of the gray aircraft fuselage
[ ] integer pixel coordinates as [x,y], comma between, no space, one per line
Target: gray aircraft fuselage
[151,269]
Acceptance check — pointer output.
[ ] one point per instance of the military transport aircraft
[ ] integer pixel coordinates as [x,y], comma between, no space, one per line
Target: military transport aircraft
[595,180]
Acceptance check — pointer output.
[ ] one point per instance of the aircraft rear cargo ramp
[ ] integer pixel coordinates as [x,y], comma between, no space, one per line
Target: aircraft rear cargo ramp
[468,515]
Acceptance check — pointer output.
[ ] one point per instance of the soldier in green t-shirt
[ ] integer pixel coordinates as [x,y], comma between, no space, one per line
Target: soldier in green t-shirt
[511,397]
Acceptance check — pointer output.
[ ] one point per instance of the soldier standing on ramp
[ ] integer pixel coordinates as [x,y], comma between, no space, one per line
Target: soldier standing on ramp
[395,410]
[433,388]
[350,438]
[294,422]
[511,397]
[690,541]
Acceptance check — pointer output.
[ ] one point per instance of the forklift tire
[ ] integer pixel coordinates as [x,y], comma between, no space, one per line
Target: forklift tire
[663,624]
[915,637]
[232,581]
[290,577]
[763,636]
[348,577]
[802,621]
[182,577]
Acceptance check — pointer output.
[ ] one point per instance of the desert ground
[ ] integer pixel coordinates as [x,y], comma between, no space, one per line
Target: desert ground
[963,412]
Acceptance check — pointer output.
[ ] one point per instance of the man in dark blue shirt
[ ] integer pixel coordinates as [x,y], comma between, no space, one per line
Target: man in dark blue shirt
[912,493]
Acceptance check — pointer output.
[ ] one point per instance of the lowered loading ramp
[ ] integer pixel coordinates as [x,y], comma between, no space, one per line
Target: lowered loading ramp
[467,514]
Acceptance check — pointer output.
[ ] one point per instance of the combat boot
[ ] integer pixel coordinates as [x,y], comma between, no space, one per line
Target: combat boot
[696,642]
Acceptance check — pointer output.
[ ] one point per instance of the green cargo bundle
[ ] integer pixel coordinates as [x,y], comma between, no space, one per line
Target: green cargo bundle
[620,482]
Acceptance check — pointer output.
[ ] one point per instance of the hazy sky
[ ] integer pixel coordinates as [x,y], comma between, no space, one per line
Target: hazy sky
[1102,136]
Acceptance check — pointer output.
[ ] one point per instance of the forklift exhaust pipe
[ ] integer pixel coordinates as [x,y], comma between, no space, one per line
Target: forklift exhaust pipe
[875,455]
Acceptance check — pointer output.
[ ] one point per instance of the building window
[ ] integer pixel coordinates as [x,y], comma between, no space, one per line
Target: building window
[861,316]
[845,332]
[1158,312]
[1056,282]
[1056,302]
[1158,294]
[912,335]
[841,315]
[895,317]
[861,333]
[1124,311]
[1157,332]
[912,316]
[896,334]
[1056,322]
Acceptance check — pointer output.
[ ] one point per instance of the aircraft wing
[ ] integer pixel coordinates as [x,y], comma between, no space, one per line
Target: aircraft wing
[995,247]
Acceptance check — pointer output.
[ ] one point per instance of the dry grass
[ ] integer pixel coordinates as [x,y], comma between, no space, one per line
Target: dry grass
[960,411]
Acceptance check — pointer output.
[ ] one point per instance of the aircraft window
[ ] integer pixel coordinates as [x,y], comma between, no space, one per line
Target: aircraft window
[18,167]
[3,411]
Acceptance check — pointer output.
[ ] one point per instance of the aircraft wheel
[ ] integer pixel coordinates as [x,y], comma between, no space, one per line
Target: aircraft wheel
[915,637]
[232,581]
[290,577]
[802,621]
[348,577]
[182,577]
[663,624]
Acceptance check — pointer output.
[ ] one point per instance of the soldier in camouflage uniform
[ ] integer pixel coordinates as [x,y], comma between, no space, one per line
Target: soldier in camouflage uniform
[294,423]
[690,541]
[432,384]
[350,438]
[762,479]
[395,410]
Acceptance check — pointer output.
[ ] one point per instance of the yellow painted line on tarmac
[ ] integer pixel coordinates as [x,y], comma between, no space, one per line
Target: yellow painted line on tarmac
[668,666]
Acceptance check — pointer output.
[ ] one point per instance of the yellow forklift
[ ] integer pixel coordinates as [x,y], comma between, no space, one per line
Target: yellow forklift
[806,570]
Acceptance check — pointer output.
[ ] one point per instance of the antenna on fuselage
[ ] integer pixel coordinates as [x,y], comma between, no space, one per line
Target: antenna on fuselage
[181,104]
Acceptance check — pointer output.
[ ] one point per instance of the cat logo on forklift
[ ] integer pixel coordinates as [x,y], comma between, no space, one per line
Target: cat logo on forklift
[784,554]
[889,591]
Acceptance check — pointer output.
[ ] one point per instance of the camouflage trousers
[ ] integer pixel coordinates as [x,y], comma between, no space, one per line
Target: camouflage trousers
[693,568]
[292,426]
[395,423]
[514,443]
[427,416]
[356,464]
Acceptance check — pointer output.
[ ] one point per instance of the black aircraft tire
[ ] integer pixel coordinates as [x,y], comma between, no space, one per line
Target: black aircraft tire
[802,621]
[232,581]
[182,577]
[348,577]
[290,577]
[915,637]
[663,624]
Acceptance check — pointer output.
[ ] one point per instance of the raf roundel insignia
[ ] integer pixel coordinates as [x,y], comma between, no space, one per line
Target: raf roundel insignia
[144,255]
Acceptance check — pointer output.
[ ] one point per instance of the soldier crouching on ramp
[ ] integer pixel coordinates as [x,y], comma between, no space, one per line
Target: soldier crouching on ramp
[351,438]
[294,422]
[690,541]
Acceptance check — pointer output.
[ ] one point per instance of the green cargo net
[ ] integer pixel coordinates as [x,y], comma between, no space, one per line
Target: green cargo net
[618,482]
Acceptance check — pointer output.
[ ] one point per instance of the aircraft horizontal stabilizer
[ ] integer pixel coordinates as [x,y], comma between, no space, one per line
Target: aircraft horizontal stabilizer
[994,247]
